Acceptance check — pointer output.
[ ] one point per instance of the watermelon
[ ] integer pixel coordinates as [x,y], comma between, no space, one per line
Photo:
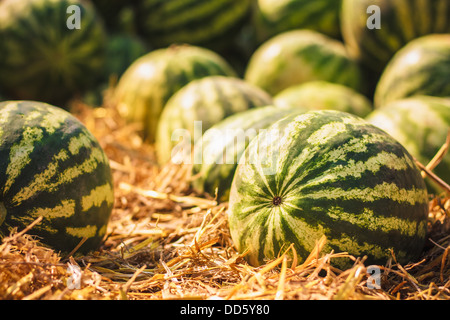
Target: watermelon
[400,22]
[321,95]
[42,58]
[421,125]
[422,67]
[217,154]
[328,173]
[300,56]
[151,80]
[208,23]
[208,101]
[118,15]
[52,166]
[121,51]
[272,17]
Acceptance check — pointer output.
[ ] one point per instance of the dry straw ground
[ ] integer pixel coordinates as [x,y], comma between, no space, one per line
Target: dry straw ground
[166,242]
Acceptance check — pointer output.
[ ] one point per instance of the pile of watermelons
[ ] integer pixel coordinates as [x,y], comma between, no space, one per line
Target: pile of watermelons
[310,117]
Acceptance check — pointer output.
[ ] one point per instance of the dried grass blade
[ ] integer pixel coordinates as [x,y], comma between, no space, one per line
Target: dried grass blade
[126,287]
[443,263]
[439,155]
[349,286]
[433,176]
[38,293]
[281,284]
[314,253]
[187,200]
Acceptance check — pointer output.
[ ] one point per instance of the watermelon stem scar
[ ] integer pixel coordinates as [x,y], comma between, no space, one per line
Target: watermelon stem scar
[276,201]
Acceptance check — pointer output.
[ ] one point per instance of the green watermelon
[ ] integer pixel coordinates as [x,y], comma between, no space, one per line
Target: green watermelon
[52,166]
[328,173]
[118,15]
[151,80]
[322,95]
[300,56]
[121,51]
[217,154]
[42,58]
[209,23]
[422,67]
[272,17]
[400,22]
[421,125]
[208,100]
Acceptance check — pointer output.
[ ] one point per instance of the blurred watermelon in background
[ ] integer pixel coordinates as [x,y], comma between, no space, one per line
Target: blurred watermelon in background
[210,23]
[422,67]
[400,22]
[118,15]
[322,95]
[41,57]
[300,56]
[272,17]
[150,81]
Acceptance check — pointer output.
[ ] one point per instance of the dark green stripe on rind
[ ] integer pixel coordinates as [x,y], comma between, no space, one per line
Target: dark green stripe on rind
[195,22]
[42,59]
[336,175]
[209,100]
[51,166]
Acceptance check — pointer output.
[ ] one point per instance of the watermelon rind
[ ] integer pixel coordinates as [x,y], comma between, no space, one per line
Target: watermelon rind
[42,58]
[300,56]
[52,167]
[327,173]
[149,82]
[421,124]
[217,154]
[322,95]
[199,105]
[422,67]
[272,17]
[206,23]
[399,22]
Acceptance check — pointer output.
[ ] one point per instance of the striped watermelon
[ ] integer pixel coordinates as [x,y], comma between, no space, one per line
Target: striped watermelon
[300,56]
[118,15]
[327,173]
[217,154]
[121,51]
[421,125]
[52,166]
[272,17]
[151,80]
[197,22]
[322,95]
[422,67]
[42,58]
[401,21]
[209,100]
